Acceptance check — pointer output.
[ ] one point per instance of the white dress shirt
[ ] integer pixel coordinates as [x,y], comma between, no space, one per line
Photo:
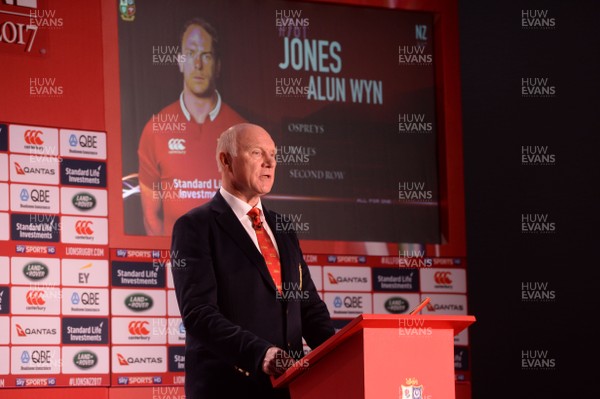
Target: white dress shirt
[241,208]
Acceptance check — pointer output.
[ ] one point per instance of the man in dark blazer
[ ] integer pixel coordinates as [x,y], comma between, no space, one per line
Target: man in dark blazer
[239,327]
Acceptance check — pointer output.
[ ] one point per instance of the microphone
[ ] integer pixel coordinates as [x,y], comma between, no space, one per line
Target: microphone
[421,306]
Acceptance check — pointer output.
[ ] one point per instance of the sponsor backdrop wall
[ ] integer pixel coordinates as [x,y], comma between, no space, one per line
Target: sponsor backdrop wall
[86,296]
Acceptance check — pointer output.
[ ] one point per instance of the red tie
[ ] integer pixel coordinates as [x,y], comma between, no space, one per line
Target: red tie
[266,247]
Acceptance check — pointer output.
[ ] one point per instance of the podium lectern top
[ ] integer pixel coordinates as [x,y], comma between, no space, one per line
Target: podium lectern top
[457,323]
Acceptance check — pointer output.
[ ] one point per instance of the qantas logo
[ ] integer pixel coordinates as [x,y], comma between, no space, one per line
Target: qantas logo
[332,279]
[33,137]
[138,328]
[35,298]
[27,170]
[444,307]
[20,331]
[24,332]
[19,169]
[177,144]
[138,360]
[442,278]
[122,360]
[84,227]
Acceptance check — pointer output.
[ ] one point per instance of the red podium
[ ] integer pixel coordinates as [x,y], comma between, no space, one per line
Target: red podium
[380,357]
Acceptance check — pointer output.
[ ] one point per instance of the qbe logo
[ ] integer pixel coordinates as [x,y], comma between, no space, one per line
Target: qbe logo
[33,140]
[85,301]
[139,359]
[77,230]
[83,144]
[35,360]
[35,199]
[348,305]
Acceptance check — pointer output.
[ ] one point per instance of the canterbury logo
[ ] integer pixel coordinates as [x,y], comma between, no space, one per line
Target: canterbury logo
[19,169]
[33,137]
[332,279]
[138,328]
[35,298]
[122,360]
[442,278]
[20,331]
[177,144]
[83,227]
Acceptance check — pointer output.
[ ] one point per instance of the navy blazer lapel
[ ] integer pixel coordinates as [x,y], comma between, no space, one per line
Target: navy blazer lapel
[232,226]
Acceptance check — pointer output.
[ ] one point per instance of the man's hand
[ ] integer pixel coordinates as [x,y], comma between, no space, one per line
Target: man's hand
[277,361]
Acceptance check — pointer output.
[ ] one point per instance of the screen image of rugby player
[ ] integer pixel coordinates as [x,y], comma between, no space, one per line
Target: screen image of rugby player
[350,103]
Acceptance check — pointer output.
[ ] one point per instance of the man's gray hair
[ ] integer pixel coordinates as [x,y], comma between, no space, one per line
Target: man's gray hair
[227,143]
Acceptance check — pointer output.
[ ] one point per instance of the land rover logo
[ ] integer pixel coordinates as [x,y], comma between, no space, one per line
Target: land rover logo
[35,271]
[396,305]
[84,201]
[139,302]
[85,359]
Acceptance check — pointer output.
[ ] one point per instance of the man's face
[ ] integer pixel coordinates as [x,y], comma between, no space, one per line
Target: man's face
[199,65]
[253,168]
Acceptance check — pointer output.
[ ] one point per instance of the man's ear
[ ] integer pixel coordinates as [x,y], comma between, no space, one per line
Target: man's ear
[225,160]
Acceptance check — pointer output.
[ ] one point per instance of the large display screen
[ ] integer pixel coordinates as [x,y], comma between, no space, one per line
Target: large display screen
[347,93]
